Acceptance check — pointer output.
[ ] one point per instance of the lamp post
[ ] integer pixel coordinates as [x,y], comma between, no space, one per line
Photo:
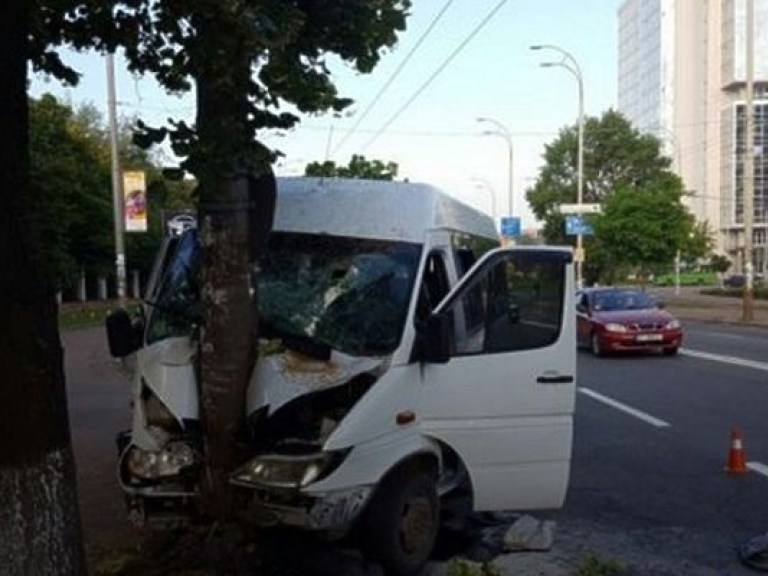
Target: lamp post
[483,183]
[568,62]
[502,131]
[117,185]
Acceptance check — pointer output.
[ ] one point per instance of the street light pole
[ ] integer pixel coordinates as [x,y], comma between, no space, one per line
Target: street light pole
[502,131]
[569,63]
[117,188]
[483,183]
[749,167]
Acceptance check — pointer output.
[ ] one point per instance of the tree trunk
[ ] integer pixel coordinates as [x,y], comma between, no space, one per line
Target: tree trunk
[39,517]
[235,214]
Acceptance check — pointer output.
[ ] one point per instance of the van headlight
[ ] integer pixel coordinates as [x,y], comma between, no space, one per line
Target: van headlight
[614,327]
[281,471]
[672,325]
[170,461]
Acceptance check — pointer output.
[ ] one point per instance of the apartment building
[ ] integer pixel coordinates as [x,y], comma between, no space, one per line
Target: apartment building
[682,76]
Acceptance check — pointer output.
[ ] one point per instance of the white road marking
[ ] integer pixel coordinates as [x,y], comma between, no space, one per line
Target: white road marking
[734,360]
[722,335]
[647,418]
[758,467]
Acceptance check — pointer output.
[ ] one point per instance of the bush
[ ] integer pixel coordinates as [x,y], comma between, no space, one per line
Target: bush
[687,279]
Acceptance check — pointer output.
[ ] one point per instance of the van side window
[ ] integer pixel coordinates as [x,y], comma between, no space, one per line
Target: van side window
[514,303]
[434,286]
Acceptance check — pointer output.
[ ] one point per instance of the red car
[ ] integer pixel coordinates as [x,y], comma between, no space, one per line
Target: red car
[617,319]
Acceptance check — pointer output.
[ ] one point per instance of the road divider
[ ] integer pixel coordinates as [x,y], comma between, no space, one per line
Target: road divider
[639,414]
[733,360]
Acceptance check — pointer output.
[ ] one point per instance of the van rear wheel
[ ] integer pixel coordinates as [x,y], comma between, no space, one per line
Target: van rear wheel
[401,523]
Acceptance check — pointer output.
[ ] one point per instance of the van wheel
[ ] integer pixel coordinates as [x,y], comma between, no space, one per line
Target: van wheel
[401,522]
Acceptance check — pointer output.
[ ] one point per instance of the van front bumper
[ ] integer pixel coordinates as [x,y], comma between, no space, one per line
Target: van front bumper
[334,512]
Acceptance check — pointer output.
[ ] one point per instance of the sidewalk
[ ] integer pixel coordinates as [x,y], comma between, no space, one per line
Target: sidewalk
[690,304]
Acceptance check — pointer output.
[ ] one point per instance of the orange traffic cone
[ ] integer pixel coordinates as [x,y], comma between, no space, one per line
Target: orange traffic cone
[736,460]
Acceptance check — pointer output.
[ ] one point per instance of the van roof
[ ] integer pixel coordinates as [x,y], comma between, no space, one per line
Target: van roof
[376,209]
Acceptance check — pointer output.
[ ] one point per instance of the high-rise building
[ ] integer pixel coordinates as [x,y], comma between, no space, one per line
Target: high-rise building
[682,76]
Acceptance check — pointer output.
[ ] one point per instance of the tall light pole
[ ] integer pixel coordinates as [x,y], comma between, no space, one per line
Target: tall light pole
[568,62]
[749,167]
[117,184]
[483,183]
[502,131]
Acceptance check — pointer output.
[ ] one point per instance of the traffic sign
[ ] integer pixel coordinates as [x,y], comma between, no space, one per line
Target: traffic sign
[579,208]
[578,226]
[510,227]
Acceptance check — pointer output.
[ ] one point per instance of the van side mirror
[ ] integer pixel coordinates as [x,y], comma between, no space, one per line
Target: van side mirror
[436,339]
[123,336]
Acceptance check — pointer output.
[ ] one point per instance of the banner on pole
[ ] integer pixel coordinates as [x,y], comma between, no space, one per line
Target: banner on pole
[135,201]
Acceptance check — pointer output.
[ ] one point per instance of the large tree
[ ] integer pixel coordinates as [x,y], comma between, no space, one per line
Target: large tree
[246,59]
[39,516]
[626,173]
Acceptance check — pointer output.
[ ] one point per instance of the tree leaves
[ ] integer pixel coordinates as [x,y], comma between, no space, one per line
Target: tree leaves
[643,222]
[359,167]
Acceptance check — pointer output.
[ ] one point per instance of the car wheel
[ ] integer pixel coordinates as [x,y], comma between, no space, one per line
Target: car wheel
[597,346]
[670,351]
[401,523]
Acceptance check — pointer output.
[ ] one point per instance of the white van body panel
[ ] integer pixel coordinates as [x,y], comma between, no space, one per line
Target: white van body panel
[375,209]
[166,367]
[375,414]
[508,416]
[369,461]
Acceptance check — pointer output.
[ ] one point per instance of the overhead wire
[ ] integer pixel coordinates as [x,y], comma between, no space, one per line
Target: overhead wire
[394,76]
[434,75]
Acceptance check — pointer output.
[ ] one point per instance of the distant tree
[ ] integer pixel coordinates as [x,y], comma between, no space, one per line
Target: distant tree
[719,263]
[70,155]
[358,167]
[625,172]
[643,227]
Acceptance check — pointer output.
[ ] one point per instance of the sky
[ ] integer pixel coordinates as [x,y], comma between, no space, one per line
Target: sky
[429,127]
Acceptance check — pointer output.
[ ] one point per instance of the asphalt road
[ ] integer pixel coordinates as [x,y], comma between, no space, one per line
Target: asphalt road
[648,486]
[652,441]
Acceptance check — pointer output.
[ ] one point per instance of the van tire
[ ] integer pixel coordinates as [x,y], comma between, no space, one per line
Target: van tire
[401,522]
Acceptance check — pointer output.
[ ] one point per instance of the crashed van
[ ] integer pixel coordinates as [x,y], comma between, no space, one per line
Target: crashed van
[403,357]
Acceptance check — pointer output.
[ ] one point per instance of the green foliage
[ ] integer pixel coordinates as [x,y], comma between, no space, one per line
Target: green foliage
[594,566]
[215,45]
[643,225]
[686,279]
[643,221]
[359,167]
[71,171]
[459,567]
[719,263]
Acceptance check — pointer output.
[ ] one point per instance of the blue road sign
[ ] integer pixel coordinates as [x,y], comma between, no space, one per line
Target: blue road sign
[575,225]
[510,227]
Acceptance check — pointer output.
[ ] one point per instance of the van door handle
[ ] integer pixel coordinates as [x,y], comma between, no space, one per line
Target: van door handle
[555,379]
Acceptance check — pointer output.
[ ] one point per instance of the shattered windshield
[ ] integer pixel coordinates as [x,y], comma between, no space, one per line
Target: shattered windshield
[350,294]
[176,302]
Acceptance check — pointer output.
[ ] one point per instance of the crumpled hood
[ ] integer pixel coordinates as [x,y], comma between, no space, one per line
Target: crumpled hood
[279,378]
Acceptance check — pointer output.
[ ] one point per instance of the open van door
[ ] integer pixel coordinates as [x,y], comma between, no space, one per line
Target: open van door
[504,400]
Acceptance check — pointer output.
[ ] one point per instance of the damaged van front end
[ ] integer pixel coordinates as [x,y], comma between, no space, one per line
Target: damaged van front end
[331,313]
